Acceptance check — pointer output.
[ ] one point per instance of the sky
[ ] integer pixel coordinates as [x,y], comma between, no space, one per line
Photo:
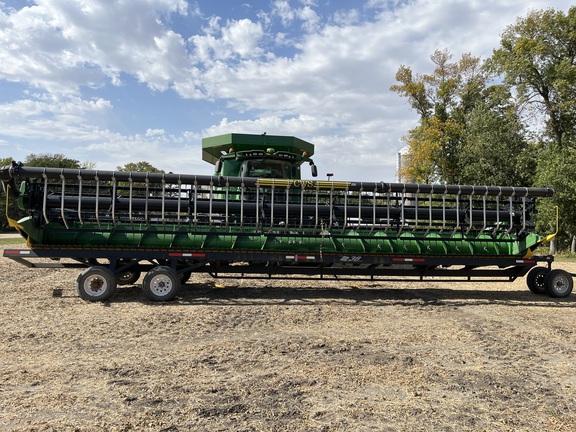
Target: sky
[116,81]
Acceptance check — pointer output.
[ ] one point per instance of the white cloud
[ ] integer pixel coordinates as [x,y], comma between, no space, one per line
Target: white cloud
[52,119]
[61,45]
[346,17]
[155,132]
[243,37]
[237,39]
[113,149]
[311,20]
[282,9]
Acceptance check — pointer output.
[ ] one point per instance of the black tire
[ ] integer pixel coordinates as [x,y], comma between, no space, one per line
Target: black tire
[96,284]
[535,280]
[161,283]
[559,283]
[185,277]
[128,277]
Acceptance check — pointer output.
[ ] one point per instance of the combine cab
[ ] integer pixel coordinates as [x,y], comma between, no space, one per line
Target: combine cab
[258,156]
[120,225]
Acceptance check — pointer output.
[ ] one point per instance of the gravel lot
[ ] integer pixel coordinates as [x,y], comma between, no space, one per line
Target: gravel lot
[285,356]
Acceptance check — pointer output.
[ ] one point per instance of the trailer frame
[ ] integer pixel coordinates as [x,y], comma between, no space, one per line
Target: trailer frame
[172,268]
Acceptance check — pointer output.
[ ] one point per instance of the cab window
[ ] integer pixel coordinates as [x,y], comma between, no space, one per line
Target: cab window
[265,169]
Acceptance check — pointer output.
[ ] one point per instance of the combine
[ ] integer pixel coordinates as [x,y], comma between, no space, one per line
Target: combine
[256,217]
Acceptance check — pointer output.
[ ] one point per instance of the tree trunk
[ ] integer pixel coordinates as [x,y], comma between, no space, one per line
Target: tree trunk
[553,246]
[573,245]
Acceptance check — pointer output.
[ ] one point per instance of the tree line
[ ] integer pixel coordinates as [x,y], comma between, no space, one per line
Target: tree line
[506,120]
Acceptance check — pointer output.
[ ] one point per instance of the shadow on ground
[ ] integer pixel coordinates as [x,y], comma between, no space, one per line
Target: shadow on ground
[208,294]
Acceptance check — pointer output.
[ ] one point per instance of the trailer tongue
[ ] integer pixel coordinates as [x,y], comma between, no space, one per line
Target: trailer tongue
[117,225]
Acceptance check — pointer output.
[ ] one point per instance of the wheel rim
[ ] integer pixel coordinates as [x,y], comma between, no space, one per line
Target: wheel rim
[539,281]
[561,284]
[95,286]
[161,285]
[125,276]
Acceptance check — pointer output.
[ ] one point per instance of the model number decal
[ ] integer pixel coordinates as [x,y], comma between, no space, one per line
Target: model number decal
[351,259]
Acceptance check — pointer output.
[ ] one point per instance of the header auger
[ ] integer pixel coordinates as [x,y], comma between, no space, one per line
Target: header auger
[119,224]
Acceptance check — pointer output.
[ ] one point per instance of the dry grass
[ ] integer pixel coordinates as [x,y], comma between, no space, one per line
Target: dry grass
[285,356]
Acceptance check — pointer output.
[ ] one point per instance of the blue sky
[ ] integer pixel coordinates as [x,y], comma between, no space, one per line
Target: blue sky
[121,81]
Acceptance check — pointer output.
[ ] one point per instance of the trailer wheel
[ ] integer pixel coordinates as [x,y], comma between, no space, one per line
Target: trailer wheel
[559,283]
[535,280]
[128,277]
[161,283]
[96,283]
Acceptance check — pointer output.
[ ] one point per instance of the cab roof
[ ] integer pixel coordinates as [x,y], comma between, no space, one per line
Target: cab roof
[214,147]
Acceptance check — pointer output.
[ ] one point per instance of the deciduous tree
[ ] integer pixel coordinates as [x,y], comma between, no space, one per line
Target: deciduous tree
[537,55]
[142,166]
[495,150]
[442,99]
[557,169]
[52,160]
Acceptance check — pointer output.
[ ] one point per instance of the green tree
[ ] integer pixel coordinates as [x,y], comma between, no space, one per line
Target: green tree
[557,169]
[430,158]
[56,160]
[469,129]
[443,99]
[494,148]
[139,167]
[537,56]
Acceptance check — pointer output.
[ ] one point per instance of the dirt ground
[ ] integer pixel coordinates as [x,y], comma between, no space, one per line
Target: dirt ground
[240,355]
